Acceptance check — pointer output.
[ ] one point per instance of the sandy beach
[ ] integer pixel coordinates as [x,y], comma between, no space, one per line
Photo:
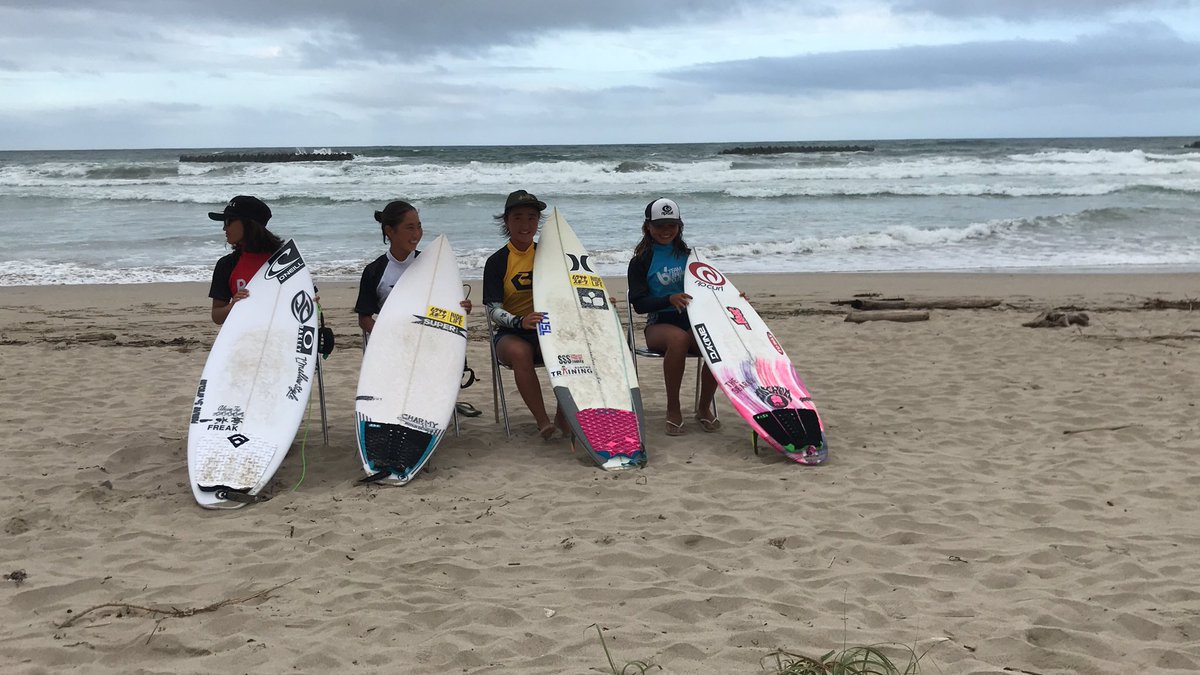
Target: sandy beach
[1008,499]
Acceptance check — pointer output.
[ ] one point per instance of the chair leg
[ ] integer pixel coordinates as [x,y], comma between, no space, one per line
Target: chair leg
[456,429]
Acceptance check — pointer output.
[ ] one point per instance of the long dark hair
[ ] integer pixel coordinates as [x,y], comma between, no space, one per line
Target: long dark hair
[391,215]
[644,246]
[256,238]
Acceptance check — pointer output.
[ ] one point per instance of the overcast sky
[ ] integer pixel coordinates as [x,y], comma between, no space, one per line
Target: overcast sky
[330,73]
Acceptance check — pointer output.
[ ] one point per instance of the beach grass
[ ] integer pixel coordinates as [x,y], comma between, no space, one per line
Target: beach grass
[853,660]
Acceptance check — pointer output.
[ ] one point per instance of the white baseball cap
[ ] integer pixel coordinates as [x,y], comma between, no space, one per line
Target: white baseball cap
[663,209]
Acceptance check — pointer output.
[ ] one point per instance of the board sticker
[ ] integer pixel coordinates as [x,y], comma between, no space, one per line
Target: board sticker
[285,263]
[443,319]
[707,276]
[590,298]
[587,281]
[706,342]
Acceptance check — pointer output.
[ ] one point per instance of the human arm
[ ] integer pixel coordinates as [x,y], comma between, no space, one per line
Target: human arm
[639,288]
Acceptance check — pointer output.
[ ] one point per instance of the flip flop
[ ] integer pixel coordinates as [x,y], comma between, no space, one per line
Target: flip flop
[467,410]
[674,429]
[709,426]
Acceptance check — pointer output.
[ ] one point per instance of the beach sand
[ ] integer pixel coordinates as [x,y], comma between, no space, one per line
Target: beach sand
[1011,499]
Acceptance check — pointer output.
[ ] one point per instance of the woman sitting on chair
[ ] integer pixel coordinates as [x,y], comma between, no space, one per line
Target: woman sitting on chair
[656,288]
[402,231]
[508,295]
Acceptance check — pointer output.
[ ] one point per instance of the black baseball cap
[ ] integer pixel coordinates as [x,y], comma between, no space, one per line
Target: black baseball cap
[523,198]
[243,207]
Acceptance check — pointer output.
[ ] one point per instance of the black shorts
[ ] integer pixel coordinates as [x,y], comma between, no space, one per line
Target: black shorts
[671,318]
[526,335]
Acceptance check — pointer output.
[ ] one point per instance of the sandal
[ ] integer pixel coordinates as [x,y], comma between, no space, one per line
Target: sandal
[674,429]
[467,410]
[709,426]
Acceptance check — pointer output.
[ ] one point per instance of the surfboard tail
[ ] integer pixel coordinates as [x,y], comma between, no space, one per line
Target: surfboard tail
[610,435]
[795,432]
[394,452]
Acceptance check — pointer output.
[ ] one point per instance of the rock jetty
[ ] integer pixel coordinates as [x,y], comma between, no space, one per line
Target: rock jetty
[269,157]
[783,149]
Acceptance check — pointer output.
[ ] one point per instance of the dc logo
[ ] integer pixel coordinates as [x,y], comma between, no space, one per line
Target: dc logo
[238,440]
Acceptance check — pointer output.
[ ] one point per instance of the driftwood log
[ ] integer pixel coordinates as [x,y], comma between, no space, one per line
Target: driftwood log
[1057,319]
[887,315]
[944,303]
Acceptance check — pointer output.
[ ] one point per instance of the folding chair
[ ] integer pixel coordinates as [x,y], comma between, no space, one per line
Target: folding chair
[499,403]
[646,352]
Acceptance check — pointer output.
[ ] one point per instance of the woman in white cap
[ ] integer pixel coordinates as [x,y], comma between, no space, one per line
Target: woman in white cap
[246,231]
[508,295]
[656,289]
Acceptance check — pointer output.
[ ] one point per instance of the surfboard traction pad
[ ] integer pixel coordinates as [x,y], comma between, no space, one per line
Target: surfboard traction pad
[236,467]
[400,449]
[611,436]
[796,432]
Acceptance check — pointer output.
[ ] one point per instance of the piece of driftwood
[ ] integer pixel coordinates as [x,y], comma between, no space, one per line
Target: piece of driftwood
[1057,319]
[887,315]
[943,303]
[1158,303]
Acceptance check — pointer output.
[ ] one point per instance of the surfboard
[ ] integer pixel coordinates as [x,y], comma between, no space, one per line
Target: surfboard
[750,366]
[254,389]
[411,368]
[584,349]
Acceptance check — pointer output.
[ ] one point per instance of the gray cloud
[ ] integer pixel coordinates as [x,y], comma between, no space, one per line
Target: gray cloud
[1146,55]
[1027,10]
[355,29]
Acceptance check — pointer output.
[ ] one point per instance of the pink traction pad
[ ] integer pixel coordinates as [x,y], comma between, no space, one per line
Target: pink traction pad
[611,431]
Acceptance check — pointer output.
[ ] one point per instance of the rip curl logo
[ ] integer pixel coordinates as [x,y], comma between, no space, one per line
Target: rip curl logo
[707,276]
[739,317]
[238,440]
[285,263]
[775,396]
[666,210]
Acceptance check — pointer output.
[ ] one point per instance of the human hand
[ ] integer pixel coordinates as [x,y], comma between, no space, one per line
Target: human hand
[240,295]
[531,320]
[680,301]
[466,305]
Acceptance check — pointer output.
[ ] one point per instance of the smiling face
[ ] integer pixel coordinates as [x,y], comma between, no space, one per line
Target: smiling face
[404,236]
[522,222]
[663,231]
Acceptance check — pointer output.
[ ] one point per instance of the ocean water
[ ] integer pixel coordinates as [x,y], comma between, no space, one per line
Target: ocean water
[1097,204]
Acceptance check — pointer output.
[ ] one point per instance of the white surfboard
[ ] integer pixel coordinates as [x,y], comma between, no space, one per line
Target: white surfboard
[584,349]
[411,368]
[750,366]
[254,390]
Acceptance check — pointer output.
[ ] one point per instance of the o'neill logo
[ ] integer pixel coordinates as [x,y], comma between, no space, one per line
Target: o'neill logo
[706,343]
[707,276]
[285,263]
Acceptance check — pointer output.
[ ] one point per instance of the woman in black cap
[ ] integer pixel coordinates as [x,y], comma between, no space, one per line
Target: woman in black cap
[246,231]
[656,288]
[508,295]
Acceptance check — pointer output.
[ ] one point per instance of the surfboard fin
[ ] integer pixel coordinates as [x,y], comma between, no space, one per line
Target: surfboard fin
[234,495]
